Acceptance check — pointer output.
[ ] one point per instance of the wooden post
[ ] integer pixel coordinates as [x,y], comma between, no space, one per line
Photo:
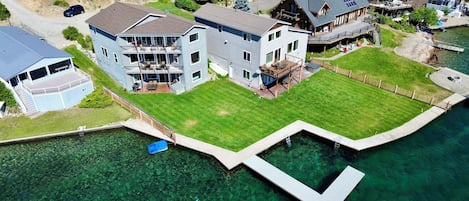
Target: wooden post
[336,68]
[413,94]
[364,78]
[395,89]
[349,73]
[379,84]
[431,101]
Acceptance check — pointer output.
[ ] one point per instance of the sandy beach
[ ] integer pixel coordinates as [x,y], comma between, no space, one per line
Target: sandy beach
[417,46]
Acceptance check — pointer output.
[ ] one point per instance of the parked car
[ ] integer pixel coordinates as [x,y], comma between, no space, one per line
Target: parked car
[74,10]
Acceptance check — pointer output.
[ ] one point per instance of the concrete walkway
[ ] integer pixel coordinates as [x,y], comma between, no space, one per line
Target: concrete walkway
[442,78]
[232,159]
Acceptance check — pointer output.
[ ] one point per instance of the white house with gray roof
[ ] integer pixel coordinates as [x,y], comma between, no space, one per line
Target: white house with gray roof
[137,46]
[41,77]
[253,50]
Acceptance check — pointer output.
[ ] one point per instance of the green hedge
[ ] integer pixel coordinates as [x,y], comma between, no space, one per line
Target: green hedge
[7,96]
[4,13]
[61,3]
[189,5]
[97,99]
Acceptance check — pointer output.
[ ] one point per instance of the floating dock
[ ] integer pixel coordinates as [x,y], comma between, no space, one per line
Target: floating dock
[338,190]
[448,47]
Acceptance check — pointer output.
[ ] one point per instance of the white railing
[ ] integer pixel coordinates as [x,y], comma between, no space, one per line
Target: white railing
[60,88]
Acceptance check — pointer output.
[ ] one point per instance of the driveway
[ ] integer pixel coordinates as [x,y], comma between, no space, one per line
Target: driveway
[257,5]
[49,28]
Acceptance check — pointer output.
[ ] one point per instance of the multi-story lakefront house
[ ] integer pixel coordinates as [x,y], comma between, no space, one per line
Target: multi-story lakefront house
[253,50]
[330,21]
[40,77]
[137,45]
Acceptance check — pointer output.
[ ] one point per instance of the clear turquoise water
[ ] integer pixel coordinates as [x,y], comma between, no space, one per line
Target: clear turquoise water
[460,37]
[432,164]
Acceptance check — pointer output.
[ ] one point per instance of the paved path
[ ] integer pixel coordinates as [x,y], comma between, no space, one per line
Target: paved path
[232,159]
[460,86]
[49,28]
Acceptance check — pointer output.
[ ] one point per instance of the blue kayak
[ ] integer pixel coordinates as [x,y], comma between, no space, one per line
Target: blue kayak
[158,146]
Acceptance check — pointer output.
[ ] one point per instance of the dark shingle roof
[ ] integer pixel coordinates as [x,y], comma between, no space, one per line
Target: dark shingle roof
[123,18]
[237,19]
[20,49]
[337,7]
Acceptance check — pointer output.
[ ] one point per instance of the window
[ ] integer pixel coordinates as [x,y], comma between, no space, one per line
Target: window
[104,51]
[194,37]
[220,28]
[269,56]
[278,34]
[23,76]
[59,66]
[295,45]
[38,73]
[289,47]
[115,58]
[195,57]
[271,37]
[246,56]
[196,76]
[133,58]
[246,74]
[247,37]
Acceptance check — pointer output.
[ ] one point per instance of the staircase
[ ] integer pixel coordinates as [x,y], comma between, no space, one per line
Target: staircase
[27,100]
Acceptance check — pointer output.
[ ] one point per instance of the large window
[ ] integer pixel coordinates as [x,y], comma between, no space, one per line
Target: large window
[246,74]
[133,58]
[196,76]
[195,57]
[194,37]
[59,66]
[246,56]
[38,73]
[290,47]
[269,57]
[278,34]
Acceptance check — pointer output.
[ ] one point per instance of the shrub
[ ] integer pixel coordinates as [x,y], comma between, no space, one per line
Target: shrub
[189,5]
[96,99]
[82,42]
[71,33]
[4,13]
[7,96]
[61,3]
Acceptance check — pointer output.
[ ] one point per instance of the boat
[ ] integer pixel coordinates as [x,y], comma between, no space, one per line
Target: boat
[157,147]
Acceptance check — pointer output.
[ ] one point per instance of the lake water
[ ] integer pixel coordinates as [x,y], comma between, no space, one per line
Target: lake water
[432,164]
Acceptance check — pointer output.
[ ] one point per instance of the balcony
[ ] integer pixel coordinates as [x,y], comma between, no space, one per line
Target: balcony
[287,15]
[348,31]
[58,84]
[151,49]
[153,68]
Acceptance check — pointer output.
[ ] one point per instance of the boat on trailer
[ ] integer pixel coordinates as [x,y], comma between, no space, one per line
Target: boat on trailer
[157,147]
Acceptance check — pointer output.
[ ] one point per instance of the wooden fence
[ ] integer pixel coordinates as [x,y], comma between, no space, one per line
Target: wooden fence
[388,87]
[166,130]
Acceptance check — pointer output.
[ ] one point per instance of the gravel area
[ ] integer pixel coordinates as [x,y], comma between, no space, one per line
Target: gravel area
[417,47]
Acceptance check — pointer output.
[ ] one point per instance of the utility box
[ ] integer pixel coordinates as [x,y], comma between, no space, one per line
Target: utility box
[3,108]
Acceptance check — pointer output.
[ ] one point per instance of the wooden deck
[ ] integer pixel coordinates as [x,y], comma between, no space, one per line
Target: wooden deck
[159,88]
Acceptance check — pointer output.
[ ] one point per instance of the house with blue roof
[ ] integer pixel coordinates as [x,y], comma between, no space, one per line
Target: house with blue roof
[330,21]
[41,77]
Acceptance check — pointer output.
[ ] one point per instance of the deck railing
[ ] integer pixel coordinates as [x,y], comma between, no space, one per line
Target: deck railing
[330,38]
[62,87]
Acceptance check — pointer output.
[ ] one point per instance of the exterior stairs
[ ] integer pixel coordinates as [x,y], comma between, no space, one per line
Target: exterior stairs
[27,100]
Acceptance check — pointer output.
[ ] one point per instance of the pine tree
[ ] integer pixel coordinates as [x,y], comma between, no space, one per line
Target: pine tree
[242,5]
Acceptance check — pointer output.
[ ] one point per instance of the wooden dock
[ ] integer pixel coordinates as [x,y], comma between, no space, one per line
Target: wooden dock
[448,47]
[338,190]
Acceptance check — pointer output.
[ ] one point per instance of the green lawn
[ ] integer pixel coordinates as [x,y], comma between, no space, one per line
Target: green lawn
[60,121]
[224,114]
[166,5]
[392,69]
[390,38]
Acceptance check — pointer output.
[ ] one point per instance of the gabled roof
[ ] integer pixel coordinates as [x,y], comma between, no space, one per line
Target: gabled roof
[123,18]
[237,19]
[20,49]
[337,7]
